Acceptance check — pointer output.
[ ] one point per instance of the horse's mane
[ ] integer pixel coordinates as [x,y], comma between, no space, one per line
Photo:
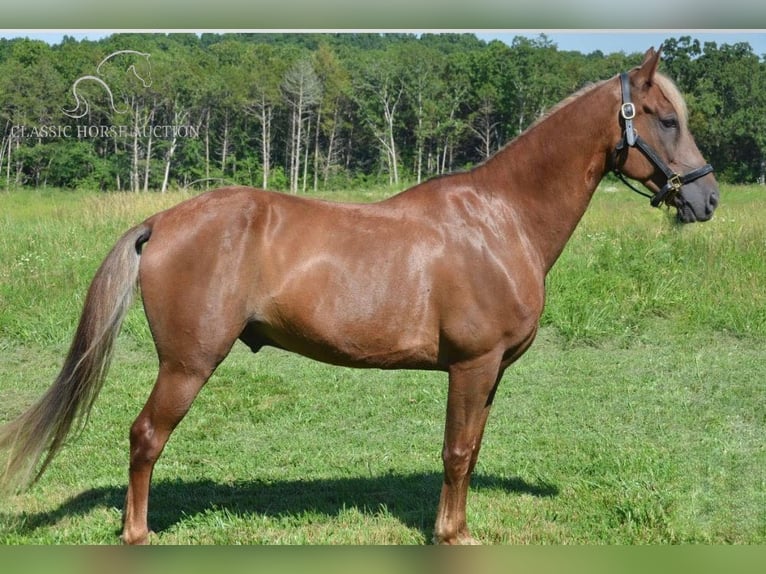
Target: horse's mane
[590,86]
[666,85]
[674,96]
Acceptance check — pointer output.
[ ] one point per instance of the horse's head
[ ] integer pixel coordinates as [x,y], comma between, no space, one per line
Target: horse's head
[656,148]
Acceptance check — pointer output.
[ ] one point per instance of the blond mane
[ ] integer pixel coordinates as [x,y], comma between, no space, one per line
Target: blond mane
[566,101]
[674,96]
[666,85]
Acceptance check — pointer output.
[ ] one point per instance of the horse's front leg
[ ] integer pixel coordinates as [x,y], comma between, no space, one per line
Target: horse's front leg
[471,390]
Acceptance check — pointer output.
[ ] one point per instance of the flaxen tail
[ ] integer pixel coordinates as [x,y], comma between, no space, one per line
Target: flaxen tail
[39,433]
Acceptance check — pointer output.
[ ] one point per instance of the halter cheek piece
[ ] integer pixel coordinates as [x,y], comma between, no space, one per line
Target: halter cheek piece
[631,139]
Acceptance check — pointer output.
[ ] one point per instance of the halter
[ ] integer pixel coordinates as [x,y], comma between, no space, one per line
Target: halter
[630,138]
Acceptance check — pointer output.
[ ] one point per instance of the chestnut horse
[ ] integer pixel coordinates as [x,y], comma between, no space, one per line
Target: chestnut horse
[448,275]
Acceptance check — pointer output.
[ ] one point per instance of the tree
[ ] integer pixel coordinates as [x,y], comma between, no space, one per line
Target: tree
[488,71]
[378,92]
[30,91]
[304,110]
[451,125]
[537,79]
[336,84]
[726,93]
[302,91]
[265,67]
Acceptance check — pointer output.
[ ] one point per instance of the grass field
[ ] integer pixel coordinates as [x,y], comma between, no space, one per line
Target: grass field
[637,417]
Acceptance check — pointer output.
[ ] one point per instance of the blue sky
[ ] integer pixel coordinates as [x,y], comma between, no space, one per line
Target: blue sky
[629,41]
[608,41]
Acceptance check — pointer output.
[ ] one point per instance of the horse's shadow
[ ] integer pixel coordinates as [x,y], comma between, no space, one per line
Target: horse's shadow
[411,498]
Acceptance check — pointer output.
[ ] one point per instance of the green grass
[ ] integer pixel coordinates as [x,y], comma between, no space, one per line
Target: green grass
[627,265]
[636,418]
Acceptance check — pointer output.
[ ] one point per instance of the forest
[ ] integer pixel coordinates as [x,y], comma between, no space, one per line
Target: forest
[300,112]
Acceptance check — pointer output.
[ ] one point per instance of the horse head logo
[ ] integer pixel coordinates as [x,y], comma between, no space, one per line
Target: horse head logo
[82,106]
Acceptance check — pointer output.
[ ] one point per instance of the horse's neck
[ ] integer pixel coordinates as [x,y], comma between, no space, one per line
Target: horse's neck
[549,173]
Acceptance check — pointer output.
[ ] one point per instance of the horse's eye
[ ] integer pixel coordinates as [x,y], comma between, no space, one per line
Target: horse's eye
[670,122]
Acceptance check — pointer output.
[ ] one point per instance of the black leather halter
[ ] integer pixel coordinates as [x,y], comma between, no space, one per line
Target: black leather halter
[630,138]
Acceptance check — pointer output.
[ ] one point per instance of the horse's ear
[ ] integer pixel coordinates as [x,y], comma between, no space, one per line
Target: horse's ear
[649,66]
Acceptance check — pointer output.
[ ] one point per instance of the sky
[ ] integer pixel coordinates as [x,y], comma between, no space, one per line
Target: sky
[608,41]
[630,41]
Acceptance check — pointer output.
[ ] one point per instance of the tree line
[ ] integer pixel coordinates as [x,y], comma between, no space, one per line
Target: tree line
[300,112]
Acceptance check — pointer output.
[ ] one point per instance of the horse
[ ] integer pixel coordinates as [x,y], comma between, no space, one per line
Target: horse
[448,275]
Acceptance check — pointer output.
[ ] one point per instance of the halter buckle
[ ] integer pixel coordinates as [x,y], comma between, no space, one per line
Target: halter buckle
[628,111]
[675,183]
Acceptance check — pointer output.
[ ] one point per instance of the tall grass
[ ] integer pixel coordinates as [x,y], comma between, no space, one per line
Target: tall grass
[637,417]
[628,265]
[51,244]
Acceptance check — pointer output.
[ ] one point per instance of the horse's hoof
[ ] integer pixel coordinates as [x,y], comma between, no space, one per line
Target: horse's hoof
[138,540]
[468,540]
[462,539]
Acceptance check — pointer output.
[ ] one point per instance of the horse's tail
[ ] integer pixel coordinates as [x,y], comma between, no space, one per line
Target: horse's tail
[39,433]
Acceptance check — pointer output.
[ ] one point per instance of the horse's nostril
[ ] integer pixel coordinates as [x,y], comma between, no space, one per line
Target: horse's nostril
[712,203]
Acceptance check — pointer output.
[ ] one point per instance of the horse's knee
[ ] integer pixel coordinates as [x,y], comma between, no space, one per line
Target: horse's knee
[457,460]
[144,448]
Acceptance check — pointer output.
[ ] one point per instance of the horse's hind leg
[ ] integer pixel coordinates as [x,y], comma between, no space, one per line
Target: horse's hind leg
[173,393]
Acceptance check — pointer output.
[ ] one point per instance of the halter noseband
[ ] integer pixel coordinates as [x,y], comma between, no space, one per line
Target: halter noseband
[630,138]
